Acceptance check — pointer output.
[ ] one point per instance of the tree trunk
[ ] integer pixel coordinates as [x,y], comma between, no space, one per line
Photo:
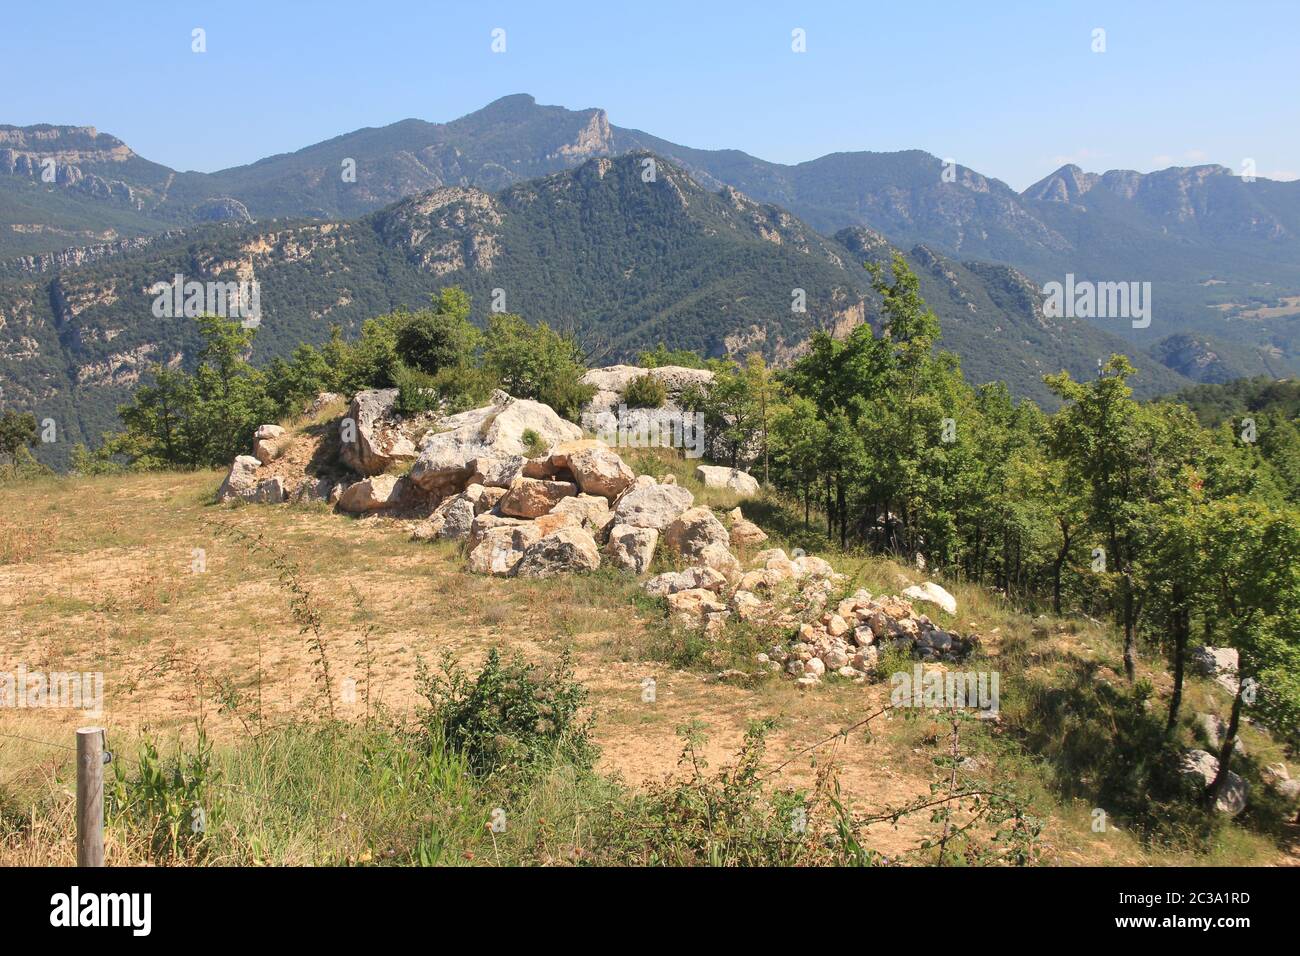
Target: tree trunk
[1056,571]
[1130,631]
[1182,630]
[1225,752]
[842,507]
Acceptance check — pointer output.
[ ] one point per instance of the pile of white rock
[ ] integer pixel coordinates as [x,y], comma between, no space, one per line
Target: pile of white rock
[848,640]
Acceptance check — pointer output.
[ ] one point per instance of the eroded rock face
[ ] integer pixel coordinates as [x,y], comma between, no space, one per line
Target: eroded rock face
[242,479]
[370,442]
[631,549]
[652,505]
[694,530]
[452,453]
[561,552]
[732,479]
[371,494]
[534,497]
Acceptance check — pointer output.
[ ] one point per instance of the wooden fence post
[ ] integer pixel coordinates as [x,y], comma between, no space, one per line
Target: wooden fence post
[90,796]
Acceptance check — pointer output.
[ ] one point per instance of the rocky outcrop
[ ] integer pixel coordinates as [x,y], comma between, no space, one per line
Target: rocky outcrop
[648,504]
[694,530]
[565,551]
[612,381]
[630,548]
[460,444]
[369,440]
[731,479]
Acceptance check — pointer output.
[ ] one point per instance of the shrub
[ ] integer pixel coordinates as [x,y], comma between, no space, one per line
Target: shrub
[167,802]
[533,361]
[512,717]
[645,391]
[661,355]
[534,444]
[439,338]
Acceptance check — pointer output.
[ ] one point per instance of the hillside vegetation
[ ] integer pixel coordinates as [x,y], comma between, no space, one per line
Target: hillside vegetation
[1089,551]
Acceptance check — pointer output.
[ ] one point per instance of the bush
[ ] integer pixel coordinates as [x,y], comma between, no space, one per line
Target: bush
[646,391]
[534,444]
[661,355]
[532,361]
[512,717]
[439,338]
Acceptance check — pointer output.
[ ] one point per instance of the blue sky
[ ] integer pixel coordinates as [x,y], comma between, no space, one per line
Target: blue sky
[1010,89]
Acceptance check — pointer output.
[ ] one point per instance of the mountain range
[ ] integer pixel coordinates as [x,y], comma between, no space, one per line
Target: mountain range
[549,205]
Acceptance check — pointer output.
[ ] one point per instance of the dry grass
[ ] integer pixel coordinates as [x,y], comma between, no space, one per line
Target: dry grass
[126,575]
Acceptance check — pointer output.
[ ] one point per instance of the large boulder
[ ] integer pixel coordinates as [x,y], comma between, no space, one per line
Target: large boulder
[451,452]
[1217,662]
[591,511]
[562,552]
[371,494]
[488,521]
[612,381]
[312,490]
[496,472]
[370,442]
[498,548]
[534,497]
[1202,767]
[241,480]
[744,533]
[599,471]
[268,443]
[731,479]
[670,582]
[268,491]
[719,558]
[631,549]
[454,516]
[931,593]
[652,505]
[694,530]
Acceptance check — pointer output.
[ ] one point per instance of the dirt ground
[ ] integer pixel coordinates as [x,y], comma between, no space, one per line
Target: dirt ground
[141,578]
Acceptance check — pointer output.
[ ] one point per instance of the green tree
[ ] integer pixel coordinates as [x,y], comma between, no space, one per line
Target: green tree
[440,337]
[1129,457]
[533,361]
[17,431]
